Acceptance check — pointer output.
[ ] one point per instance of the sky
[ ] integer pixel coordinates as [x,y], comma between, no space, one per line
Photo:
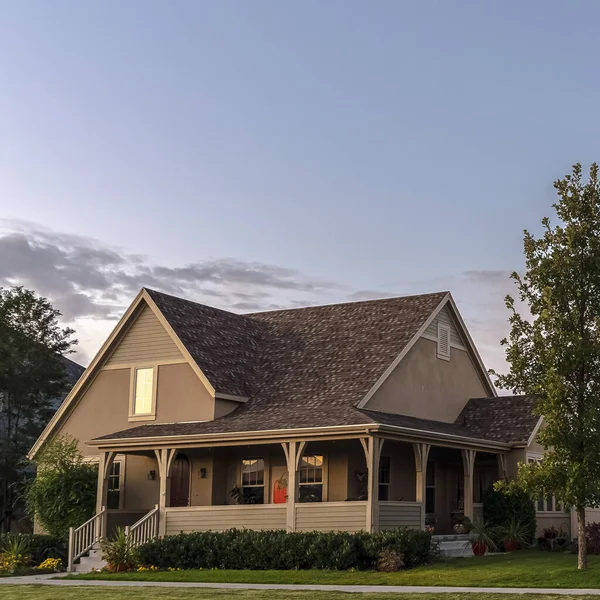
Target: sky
[264,154]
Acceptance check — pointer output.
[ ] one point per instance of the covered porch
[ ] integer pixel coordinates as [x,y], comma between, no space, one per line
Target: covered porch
[367,481]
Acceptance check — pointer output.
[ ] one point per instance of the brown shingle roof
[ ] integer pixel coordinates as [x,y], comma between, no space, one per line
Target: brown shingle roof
[244,421]
[312,357]
[505,418]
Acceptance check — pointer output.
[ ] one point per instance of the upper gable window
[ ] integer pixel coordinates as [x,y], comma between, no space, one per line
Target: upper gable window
[143,404]
[443,341]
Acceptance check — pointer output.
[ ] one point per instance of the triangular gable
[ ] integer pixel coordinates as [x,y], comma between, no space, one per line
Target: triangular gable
[445,311]
[141,318]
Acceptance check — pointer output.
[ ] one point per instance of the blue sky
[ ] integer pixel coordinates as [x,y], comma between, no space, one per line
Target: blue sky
[344,149]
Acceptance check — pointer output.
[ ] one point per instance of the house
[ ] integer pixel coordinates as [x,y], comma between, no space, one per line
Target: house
[374,413]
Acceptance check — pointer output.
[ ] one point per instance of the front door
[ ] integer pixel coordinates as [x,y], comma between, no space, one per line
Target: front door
[180,481]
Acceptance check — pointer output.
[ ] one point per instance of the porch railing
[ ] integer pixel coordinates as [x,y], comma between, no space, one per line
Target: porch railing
[144,530]
[83,538]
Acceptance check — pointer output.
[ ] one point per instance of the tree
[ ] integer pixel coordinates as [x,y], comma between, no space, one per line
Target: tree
[554,352]
[32,375]
[63,494]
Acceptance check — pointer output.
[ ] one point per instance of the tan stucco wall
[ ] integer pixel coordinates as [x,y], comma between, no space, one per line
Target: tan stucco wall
[182,396]
[224,407]
[104,407]
[139,492]
[427,387]
[403,477]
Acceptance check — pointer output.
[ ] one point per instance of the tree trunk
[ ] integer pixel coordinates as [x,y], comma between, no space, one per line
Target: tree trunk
[582,559]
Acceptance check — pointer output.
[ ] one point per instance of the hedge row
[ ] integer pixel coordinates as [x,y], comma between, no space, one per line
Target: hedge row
[40,547]
[246,549]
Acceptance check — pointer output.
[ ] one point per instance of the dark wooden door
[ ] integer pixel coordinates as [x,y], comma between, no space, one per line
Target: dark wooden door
[180,481]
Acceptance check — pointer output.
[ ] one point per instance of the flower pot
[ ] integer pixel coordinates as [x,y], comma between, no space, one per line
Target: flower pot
[459,528]
[510,545]
[479,548]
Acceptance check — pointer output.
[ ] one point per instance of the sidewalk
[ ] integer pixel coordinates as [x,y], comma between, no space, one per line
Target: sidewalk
[55,580]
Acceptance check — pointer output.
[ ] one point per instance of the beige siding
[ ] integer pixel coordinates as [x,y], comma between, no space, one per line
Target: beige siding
[145,341]
[424,386]
[444,317]
[225,517]
[331,516]
[557,520]
[399,514]
[592,515]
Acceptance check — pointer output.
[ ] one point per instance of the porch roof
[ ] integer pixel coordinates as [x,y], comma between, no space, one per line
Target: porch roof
[242,421]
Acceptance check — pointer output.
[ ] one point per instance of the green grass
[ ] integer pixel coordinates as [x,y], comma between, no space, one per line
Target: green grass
[38,592]
[520,569]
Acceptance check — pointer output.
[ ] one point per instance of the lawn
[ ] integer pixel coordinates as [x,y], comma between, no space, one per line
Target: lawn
[38,592]
[521,569]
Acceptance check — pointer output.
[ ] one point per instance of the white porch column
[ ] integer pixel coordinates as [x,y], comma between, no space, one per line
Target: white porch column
[104,465]
[372,447]
[421,456]
[293,455]
[468,457]
[164,457]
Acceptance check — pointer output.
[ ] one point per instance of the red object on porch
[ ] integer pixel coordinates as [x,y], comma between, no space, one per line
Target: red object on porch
[279,494]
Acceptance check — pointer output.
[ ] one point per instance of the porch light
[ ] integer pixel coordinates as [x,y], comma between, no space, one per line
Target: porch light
[152,475]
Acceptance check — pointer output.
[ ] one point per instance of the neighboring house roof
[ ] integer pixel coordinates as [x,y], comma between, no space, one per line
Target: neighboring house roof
[73,372]
[503,418]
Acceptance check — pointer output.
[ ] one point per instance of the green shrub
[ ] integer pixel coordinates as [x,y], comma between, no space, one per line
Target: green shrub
[504,505]
[39,547]
[260,550]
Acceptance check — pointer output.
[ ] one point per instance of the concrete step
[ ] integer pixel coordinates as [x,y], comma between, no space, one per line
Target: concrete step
[454,546]
[88,563]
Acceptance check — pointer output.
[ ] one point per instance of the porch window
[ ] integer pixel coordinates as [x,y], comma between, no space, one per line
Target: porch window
[142,402]
[253,481]
[384,478]
[310,479]
[113,497]
[544,503]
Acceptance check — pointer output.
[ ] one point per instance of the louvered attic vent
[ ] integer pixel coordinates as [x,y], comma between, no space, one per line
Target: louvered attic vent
[443,341]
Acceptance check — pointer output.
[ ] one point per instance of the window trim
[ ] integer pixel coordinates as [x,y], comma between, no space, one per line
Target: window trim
[266,484]
[151,416]
[322,483]
[536,457]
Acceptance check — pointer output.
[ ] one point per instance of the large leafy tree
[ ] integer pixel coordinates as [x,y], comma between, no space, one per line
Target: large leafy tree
[63,494]
[32,376]
[554,349]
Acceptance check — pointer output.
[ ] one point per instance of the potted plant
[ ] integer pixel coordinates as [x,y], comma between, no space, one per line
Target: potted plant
[561,537]
[514,535]
[461,524]
[550,532]
[118,552]
[483,538]
[430,523]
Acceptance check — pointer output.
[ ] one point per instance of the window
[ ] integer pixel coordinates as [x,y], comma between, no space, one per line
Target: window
[253,481]
[310,479]
[544,503]
[143,392]
[430,487]
[113,497]
[443,341]
[384,478]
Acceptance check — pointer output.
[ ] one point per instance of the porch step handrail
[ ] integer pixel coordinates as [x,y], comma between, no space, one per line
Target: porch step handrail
[144,530]
[83,538]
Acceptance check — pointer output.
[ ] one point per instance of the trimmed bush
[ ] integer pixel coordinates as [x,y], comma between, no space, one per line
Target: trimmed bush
[39,547]
[502,506]
[260,550]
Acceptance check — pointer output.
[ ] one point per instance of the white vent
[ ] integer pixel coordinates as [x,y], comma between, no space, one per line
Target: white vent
[443,341]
